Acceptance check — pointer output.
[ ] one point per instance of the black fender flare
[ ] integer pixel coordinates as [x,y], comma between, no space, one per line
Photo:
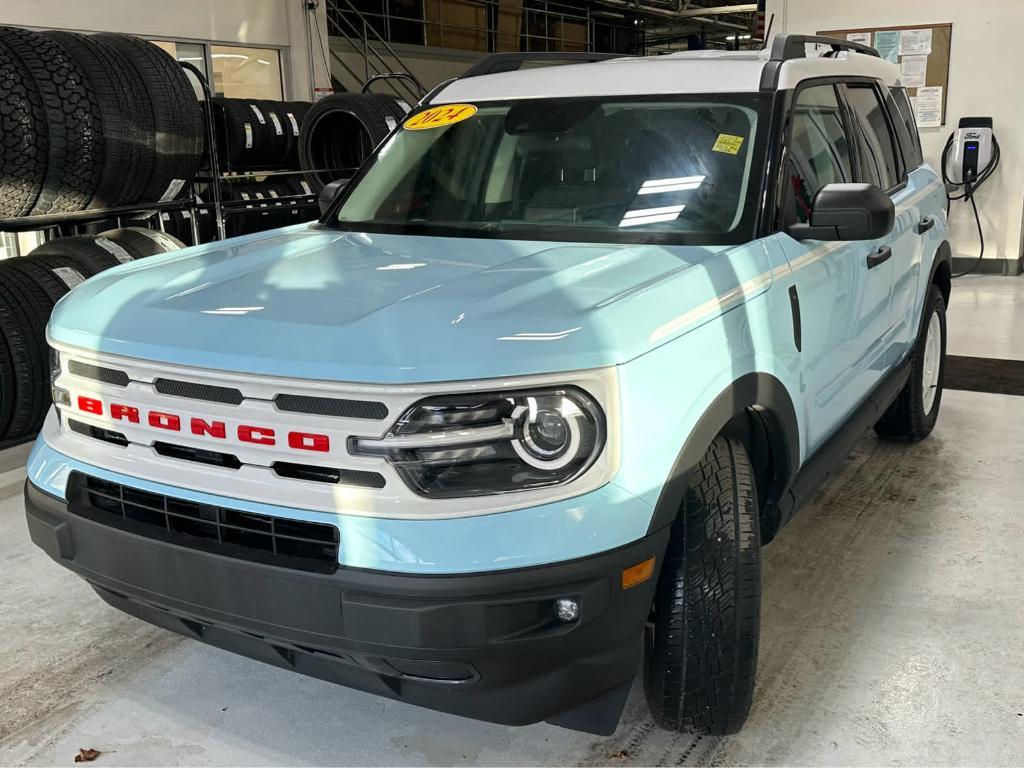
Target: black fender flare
[749,390]
[943,256]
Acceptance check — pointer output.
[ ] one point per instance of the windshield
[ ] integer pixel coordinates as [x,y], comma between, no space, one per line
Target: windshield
[674,169]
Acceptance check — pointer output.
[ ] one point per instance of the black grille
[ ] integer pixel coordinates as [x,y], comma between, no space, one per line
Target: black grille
[96,373]
[332,406]
[328,474]
[195,391]
[106,435]
[228,532]
[187,453]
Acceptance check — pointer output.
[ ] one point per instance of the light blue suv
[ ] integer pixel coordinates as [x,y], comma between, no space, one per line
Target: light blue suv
[513,420]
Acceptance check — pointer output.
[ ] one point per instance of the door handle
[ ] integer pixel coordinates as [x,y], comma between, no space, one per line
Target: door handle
[926,223]
[880,256]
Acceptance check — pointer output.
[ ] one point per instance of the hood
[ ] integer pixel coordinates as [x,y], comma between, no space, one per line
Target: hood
[324,304]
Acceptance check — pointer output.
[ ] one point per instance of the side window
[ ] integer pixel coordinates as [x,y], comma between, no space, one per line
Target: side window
[881,164]
[818,152]
[909,138]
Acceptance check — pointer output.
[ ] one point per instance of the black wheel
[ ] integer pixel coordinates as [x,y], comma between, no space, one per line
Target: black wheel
[127,117]
[23,137]
[177,117]
[700,655]
[913,414]
[74,130]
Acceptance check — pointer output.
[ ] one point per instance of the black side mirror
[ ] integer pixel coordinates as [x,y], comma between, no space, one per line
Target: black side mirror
[848,212]
[329,192]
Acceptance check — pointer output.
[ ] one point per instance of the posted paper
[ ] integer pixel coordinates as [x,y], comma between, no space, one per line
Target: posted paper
[887,43]
[928,107]
[916,42]
[859,37]
[913,71]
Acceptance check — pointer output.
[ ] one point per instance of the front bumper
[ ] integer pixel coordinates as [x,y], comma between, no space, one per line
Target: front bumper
[486,646]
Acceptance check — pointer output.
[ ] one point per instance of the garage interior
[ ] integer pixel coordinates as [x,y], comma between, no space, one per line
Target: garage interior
[892,623]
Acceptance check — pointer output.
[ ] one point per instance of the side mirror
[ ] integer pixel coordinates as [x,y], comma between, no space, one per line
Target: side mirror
[848,212]
[329,192]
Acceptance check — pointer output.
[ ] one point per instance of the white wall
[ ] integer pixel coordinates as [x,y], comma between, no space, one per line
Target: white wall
[986,62]
[252,22]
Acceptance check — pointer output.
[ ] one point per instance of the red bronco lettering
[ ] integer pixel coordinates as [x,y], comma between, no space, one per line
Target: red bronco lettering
[246,433]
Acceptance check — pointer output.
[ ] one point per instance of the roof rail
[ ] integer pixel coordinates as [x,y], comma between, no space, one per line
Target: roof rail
[786,47]
[510,62]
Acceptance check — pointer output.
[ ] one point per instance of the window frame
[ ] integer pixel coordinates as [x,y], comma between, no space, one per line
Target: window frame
[909,123]
[877,86]
[781,189]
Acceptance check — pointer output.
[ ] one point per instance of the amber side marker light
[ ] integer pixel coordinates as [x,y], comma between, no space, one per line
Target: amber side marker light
[638,574]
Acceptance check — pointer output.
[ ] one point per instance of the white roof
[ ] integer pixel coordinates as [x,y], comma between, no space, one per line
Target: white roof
[683,72]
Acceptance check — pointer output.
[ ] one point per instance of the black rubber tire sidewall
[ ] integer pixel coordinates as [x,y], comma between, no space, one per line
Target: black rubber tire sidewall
[905,420]
[700,659]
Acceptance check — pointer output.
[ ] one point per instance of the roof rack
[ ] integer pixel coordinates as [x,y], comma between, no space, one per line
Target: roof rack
[786,47]
[510,62]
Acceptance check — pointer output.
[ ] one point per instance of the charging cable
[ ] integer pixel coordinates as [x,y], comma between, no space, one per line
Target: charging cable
[970,187]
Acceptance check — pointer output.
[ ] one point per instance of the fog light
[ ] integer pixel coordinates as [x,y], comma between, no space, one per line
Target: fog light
[60,396]
[567,609]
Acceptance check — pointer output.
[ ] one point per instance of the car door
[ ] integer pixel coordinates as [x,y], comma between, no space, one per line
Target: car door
[843,297]
[882,163]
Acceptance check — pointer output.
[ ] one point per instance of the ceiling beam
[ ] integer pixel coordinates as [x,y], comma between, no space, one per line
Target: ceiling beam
[716,11]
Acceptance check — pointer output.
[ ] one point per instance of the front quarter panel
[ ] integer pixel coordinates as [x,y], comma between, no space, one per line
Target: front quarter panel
[667,393]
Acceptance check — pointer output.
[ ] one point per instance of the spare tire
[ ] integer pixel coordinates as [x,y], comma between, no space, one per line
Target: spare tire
[293,112]
[128,138]
[177,117]
[140,242]
[74,125]
[23,137]
[338,133]
[91,253]
[24,326]
[68,271]
[243,140]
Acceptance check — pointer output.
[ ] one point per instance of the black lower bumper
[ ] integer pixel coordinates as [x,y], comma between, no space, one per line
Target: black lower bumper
[486,646]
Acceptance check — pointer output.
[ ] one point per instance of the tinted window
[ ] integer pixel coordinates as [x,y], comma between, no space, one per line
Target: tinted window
[879,159]
[906,127]
[819,150]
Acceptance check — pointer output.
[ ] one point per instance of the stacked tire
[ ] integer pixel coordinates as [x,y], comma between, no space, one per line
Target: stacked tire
[92,121]
[340,131]
[256,134]
[30,286]
[271,204]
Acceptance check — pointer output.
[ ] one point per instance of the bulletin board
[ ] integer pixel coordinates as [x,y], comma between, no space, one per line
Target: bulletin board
[936,68]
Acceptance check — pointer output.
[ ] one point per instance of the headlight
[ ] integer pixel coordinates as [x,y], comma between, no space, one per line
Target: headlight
[498,442]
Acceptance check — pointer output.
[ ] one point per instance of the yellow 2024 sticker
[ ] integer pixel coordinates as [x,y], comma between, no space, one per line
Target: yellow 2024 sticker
[728,143]
[440,116]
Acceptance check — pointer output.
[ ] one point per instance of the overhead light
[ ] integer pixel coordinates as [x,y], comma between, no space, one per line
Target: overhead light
[642,216]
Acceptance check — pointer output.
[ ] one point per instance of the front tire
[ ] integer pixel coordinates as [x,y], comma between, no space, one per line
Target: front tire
[700,656]
[913,414]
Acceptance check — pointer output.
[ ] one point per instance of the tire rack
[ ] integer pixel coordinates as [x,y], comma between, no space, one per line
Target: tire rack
[59,224]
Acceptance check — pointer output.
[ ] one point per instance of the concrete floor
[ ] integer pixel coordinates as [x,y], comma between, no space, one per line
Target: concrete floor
[893,633]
